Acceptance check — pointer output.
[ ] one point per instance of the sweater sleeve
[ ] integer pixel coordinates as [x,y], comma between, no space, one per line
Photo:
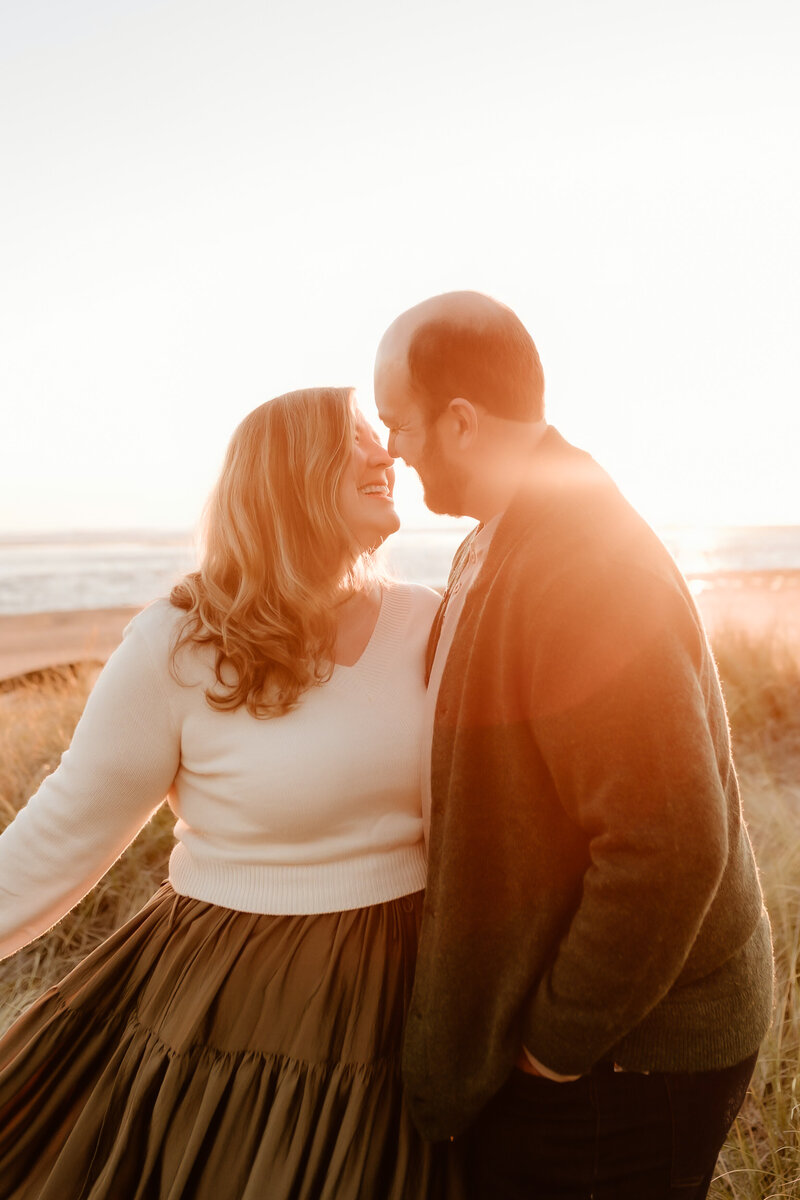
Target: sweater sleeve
[121,763]
[623,699]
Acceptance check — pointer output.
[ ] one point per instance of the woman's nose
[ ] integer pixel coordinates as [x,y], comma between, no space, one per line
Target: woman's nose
[380,456]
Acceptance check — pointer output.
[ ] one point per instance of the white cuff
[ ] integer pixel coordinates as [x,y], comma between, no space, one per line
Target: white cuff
[548,1074]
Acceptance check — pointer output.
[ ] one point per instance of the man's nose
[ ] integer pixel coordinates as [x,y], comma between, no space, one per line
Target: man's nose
[390,447]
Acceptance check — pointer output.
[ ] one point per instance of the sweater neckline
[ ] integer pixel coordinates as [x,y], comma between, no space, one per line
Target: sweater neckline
[370,669]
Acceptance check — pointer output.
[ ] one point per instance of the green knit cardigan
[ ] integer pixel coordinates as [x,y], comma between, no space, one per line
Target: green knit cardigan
[592,891]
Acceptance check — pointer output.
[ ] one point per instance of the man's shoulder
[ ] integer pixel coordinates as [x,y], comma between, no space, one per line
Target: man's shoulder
[585,539]
[567,501]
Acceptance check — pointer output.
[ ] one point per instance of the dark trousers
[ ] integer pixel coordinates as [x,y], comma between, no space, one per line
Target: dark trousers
[607,1136]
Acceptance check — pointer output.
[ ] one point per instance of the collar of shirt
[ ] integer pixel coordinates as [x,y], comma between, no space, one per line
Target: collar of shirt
[476,554]
[454,604]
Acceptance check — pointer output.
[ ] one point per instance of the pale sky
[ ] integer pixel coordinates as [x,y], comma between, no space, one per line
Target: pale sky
[204,204]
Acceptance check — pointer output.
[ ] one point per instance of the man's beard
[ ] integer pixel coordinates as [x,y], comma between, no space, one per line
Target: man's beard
[444,487]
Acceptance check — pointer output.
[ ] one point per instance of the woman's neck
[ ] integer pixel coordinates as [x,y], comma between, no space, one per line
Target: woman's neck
[356,618]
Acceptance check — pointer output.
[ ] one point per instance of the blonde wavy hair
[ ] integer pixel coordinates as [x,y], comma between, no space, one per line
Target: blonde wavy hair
[277,555]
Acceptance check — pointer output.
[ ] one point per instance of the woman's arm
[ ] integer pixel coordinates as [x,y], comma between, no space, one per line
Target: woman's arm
[121,763]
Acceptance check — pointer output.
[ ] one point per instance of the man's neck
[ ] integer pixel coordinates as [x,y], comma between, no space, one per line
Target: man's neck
[497,485]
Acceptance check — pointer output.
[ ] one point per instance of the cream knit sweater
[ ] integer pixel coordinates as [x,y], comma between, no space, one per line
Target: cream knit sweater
[315,811]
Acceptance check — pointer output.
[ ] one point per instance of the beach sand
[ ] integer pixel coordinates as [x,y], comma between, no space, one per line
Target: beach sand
[34,642]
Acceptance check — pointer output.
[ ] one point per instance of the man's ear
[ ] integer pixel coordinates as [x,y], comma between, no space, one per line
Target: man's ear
[462,418]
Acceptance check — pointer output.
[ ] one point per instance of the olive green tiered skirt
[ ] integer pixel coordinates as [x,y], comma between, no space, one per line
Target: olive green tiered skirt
[211,1054]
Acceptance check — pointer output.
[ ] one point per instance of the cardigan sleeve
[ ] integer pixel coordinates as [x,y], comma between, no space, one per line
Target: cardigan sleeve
[123,758]
[626,711]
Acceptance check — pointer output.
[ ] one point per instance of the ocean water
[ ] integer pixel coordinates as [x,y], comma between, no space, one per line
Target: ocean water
[92,570]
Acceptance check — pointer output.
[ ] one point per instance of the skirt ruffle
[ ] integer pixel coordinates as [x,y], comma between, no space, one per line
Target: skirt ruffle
[210,1054]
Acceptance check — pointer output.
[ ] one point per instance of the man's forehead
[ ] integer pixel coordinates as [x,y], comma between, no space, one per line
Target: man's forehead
[391,380]
[394,395]
[391,362]
[393,346]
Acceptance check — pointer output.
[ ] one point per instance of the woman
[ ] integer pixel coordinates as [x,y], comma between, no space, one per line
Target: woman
[239,1037]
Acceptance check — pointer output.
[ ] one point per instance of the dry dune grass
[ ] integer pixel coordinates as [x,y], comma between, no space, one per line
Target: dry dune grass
[37,719]
[761,679]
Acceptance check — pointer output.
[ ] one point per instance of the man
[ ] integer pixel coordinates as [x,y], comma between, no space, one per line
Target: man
[595,968]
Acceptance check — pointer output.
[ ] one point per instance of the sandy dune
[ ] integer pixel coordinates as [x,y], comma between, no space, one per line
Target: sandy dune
[31,642]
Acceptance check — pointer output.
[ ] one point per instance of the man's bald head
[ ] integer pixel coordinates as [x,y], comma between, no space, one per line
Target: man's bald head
[465,344]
